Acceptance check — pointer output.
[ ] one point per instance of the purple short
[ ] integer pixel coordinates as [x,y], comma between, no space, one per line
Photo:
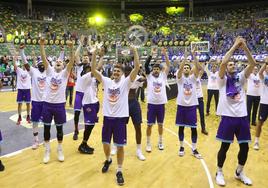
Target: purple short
[1,138]
[90,113]
[78,100]
[155,112]
[24,95]
[134,112]
[186,116]
[56,111]
[263,112]
[36,111]
[115,127]
[230,126]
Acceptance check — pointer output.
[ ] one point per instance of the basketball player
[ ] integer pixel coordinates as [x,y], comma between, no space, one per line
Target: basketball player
[38,76]
[115,111]
[79,94]
[187,102]
[54,99]
[253,95]
[233,111]
[212,87]
[200,106]
[156,98]
[263,111]
[24,90]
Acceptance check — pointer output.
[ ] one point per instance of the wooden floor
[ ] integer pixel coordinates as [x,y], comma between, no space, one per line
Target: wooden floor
[161,168]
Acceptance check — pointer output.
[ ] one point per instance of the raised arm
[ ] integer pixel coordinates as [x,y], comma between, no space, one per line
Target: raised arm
[77,52]
[167,66]
[100,63]
[95,72]
[180,70]
[263,68]
[136,69]
[15,59]
[43,53]
[71,62]
[227,57]
[23,57]
[251,60]
[147,63]
[197,65]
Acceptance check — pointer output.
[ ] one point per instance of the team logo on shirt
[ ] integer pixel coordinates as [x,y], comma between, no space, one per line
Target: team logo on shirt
[213,78]
[187,89]
[23,77]
[54,84]
[266,81]
[113,95]
[256,83]
[157,87]
[41,82]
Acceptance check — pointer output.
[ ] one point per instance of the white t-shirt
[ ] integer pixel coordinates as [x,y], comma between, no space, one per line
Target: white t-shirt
[187,91]
[56,86]
[212,80]
[23,79]
[264,90]
[90,89]
[156,89]
[38,84]
[254,85]
[78,85]
[199,92]
[136,84]
[232,107]
[115,99]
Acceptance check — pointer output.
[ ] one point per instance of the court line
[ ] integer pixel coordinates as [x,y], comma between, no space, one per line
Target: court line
[211,185]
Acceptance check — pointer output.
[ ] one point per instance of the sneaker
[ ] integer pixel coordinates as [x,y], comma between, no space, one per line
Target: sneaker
[204,131]
[256,146]
[243,178]
[60,154]
[2,167]
[85,149]
[119,178]
[35,145]
[160,146]
[220,179]
[28,119]
[19,120]
[148,147]
[181,152]
[75,136]
[140,155]
[106,165]
[113,150]
[196,154]
[46,156]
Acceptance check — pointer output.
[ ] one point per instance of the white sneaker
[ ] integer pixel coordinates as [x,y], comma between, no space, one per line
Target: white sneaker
[196,154]
[140,155]
[46,156]
[113,150]
[220,178]
[160,146]
[60,154]
[181,152]
[256,146]
[243,178]
[35,145]
[148,147]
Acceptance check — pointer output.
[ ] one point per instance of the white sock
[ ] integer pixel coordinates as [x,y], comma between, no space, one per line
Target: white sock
[193,146]
[148,139]
[47,145]
[257,139]
[181,143]
[59,146]
[119,168]
[160,138]
[138,146]
[36,138]
[219,169]
[239,169]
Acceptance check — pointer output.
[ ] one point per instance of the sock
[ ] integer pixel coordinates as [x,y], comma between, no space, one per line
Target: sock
[119,168]
[148,139]
[160,138]
[193,146]
[181,143]
[59,146]
[47,145]
[239,169]
[257,139]
[219,169]
[138,146]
